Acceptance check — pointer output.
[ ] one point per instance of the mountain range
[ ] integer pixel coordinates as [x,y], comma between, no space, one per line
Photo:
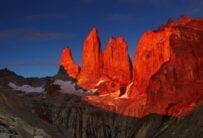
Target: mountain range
[158,94]
[166,76]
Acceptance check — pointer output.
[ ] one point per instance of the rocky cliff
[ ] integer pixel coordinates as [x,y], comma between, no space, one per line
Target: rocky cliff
[158,97]
[177,87]
[167,73]
[68,63]
[117,66]
[104,72]
[62,116]
[91,61]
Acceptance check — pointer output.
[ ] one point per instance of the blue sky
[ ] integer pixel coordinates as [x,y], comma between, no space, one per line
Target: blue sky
[34,32]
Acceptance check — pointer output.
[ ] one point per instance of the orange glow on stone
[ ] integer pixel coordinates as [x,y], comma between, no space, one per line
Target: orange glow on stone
[67,62]
[166,78]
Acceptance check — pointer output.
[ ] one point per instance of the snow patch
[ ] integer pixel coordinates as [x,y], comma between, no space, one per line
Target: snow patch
[93,90]
[112,94]
[127,91]
[100,82]
[69,87]
[26,88]
[96,89]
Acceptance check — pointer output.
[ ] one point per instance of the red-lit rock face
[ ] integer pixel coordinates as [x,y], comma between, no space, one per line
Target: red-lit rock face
[153,50]
[167,71]
[167,74]
[116,64]
[67,62]
[177,87]
[168,68]
[91,61]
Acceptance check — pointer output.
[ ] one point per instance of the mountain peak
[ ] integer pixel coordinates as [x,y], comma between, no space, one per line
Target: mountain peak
[7,72]
[67,54]
[116,63]
[91,60]
[165,78]
[68,63]
[93,34]
[167,72]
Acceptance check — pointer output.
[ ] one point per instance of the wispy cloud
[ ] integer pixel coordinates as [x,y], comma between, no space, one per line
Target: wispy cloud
[32,34]
[119,17]
[45,16]
[31,64]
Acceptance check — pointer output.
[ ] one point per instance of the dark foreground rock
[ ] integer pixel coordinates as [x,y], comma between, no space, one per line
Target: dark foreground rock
[17,119]
[67,116]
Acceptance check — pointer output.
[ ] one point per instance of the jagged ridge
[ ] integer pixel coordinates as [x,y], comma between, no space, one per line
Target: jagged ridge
[167,71]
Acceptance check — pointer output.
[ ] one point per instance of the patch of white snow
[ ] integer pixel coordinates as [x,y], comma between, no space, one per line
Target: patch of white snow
[100,82]
[127,91]
[69,87]
[26,88]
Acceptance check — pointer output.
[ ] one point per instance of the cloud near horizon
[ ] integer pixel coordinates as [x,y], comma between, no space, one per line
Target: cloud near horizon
[49,16]
[31,64]
[31,34]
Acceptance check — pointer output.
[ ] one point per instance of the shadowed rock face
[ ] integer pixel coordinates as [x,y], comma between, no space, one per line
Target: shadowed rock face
[79,119]
[68,116]
[68,63]
[17,119]
[91,61]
